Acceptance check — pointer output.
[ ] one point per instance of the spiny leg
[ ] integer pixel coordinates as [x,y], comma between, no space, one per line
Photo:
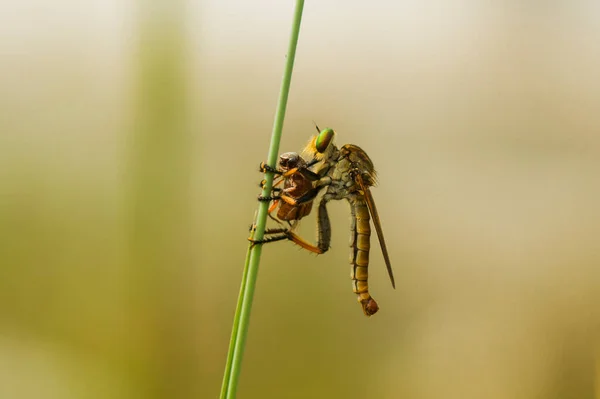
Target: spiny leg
[266,168]
[269,239]
[281,231]
[323,226]
[286,234]
[269,198]
[277,234]
[269,213]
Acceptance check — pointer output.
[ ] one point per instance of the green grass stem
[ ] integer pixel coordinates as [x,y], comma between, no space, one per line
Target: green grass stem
[244,306]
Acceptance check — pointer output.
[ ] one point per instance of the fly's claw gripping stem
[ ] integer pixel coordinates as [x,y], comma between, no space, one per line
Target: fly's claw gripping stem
[256,242]
[268,199]
[282,236]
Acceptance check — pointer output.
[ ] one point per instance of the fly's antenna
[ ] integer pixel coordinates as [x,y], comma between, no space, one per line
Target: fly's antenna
[317,126]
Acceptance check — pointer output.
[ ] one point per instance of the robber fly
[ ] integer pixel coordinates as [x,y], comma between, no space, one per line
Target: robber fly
[345,173]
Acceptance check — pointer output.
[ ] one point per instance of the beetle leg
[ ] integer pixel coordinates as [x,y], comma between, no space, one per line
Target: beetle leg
[273,207]
[309,196]
[277,182]
[274,189]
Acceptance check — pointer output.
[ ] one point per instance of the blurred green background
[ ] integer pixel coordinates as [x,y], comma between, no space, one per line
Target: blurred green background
[131,133]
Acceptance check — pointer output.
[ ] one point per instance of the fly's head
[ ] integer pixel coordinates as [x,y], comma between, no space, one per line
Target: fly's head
[321,146]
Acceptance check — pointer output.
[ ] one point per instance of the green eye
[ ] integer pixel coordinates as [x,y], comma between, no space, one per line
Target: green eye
[323,139]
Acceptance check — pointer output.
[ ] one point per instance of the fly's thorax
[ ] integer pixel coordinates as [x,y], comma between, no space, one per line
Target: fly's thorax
[341,170]
[342,183]
[337,190]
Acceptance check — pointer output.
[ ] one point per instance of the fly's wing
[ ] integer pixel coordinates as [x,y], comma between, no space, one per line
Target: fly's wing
[375,217]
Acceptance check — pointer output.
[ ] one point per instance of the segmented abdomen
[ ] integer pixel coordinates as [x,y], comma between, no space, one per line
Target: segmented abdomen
[360,234]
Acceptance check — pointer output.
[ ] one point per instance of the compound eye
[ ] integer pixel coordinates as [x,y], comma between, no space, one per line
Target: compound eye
[323,139]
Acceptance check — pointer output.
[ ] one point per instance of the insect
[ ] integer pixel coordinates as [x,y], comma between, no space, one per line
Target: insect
[345,173]
[296,198]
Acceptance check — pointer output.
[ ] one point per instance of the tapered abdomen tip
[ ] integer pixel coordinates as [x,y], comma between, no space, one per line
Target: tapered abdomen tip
[370,307]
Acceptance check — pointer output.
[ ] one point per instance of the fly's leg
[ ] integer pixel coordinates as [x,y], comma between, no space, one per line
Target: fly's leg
[289,235]
[276,235]
[264,168]
[286,234]
[303,243]
[269,198]
[276,231]
[323,226]
[281,231]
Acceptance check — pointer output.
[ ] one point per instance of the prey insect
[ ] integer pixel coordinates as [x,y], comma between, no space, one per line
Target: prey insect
[293,201]
[296,197]
[344,173]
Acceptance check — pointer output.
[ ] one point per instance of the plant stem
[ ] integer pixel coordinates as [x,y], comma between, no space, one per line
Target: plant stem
[244,306]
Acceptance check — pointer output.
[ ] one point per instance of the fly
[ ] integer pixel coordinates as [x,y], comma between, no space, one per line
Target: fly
[344,173]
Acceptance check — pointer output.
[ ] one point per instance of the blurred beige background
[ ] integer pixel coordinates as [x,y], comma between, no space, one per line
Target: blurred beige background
[130,139]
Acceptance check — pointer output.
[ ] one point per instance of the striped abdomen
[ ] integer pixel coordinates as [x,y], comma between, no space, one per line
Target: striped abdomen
[360,234]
